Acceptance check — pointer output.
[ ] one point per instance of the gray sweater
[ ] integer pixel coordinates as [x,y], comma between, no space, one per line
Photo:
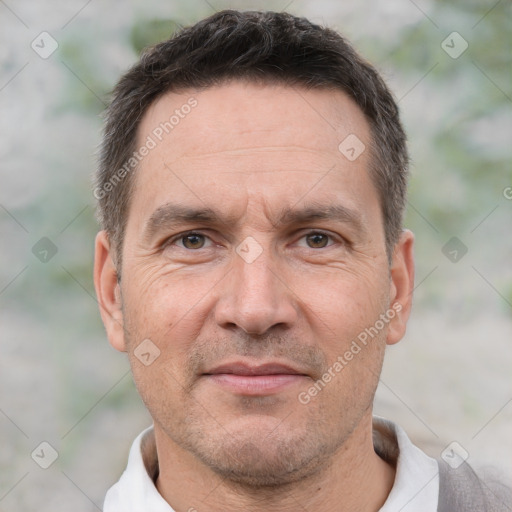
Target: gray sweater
[461,490]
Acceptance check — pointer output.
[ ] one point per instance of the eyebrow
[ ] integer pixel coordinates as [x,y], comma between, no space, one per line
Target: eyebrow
[336,212]
[172,215]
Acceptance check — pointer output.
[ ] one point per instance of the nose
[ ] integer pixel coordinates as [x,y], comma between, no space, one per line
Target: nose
[255,298]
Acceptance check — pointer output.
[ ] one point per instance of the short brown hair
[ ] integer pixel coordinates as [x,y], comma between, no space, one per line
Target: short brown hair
[266,47]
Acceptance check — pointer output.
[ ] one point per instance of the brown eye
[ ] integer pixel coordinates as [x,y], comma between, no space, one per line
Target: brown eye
[193,241]
[317,240]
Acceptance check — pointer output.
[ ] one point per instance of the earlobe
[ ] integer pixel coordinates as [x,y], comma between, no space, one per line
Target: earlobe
[401,286]
[108,292]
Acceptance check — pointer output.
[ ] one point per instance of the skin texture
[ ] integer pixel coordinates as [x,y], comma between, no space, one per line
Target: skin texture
[249,153]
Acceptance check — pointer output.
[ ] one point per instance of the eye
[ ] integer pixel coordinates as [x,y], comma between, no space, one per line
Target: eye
[192,241]
[317,240]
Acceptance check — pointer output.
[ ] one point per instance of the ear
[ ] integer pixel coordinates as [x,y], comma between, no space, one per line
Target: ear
[401,286]
[108,292]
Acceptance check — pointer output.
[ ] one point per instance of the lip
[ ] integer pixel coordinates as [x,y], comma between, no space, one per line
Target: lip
[243,378]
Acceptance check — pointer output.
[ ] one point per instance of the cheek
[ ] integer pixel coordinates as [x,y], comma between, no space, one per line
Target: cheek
[170,311]
[342,303]
[164,324]
[170,308]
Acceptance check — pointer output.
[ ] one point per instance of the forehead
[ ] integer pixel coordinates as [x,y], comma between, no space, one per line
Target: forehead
[246,144]
[236,112]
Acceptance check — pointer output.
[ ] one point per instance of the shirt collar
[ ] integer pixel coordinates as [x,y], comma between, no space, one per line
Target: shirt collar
[416,485]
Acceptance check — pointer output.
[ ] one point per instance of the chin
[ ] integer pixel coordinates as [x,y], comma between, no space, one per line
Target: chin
[260,457]
[251,465]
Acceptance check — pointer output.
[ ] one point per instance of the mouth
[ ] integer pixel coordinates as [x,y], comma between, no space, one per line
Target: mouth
[244,378]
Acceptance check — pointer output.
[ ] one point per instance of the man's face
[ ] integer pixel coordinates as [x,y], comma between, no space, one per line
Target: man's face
[254,256]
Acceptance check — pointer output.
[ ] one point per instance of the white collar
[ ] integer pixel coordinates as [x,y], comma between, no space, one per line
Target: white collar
[416,486]
[135,491]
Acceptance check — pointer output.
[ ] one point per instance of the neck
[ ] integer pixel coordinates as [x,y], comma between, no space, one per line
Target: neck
[353,478]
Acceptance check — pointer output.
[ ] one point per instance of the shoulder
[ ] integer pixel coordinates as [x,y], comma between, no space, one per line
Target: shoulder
[462,489]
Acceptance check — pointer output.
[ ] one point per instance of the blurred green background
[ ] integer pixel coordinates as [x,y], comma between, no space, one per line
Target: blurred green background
[61,382]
